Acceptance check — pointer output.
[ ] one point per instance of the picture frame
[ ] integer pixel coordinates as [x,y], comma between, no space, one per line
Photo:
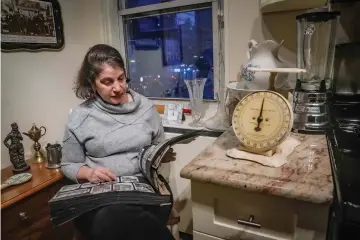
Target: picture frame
[31,25]
[173,114]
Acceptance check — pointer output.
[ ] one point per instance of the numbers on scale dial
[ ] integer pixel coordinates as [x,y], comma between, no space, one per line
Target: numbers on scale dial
[275,122]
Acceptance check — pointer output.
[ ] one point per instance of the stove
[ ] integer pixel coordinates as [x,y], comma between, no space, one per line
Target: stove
[344,150]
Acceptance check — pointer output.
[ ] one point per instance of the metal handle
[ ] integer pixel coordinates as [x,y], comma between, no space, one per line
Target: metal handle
[42,127]
[23,216]
[249,222]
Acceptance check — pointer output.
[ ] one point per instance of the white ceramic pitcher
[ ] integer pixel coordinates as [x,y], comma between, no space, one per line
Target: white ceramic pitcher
[263,55]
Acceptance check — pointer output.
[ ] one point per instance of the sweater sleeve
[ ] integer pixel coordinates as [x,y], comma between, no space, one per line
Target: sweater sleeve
[73,155]
[159,135]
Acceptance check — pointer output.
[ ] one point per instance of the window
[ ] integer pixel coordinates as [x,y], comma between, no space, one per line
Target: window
[167,42]
[139,3]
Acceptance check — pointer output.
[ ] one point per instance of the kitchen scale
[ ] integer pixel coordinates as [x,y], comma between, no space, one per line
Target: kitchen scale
[262,121]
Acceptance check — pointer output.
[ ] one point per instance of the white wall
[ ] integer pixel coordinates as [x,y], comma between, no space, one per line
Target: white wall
[37,87]
[243,22]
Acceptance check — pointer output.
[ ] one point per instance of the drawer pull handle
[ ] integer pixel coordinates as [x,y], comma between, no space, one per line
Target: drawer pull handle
[23,216]
[249,222]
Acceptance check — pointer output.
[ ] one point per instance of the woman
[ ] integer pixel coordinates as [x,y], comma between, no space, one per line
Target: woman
[102,139]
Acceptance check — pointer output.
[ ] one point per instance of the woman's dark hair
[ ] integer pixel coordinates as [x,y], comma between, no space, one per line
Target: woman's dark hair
[91,67]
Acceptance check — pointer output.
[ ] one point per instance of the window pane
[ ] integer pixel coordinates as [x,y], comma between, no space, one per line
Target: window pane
[139,3]
[164,50]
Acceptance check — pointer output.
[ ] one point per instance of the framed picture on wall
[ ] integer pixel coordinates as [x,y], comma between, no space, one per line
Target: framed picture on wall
[31,25]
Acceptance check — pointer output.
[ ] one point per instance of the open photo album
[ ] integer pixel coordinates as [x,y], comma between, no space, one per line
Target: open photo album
[149,189]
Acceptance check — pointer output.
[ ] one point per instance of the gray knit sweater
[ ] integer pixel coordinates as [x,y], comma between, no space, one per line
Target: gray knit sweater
[107,135]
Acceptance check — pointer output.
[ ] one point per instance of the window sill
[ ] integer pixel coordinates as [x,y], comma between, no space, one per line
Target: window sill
[211,109]
[180,99]
[205,133]
[208,104]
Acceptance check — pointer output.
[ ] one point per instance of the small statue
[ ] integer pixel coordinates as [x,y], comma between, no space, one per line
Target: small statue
[16,149]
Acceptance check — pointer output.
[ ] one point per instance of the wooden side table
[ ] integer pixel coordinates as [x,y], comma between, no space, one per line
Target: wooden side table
[25,210]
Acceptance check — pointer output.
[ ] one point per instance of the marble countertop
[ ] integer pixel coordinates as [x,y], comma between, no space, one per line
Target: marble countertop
[306,175]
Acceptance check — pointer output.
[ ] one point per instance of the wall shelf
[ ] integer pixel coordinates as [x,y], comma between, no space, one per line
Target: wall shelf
[268,6]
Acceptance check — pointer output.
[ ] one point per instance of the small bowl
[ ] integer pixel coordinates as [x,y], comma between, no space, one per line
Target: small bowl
[238,90]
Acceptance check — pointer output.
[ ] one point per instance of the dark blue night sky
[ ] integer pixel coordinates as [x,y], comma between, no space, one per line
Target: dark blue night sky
[180,45]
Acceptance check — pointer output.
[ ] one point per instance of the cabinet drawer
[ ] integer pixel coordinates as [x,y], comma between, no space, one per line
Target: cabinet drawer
[225,213]
[203,236]
[28,217]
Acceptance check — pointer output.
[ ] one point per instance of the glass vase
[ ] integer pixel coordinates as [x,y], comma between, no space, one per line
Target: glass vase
[220,122]
[196,93]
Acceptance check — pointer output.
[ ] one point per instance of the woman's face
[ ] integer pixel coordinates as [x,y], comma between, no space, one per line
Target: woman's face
[111,84]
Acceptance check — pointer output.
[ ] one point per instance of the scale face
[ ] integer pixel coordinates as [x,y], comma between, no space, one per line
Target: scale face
[262,120]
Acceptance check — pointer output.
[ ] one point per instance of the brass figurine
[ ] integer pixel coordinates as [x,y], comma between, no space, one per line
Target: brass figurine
[16,149]
[35,134]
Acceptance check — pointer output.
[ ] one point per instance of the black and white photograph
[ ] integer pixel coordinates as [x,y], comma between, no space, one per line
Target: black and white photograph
[101,188]
[77,192]
[70,187]
[121,187]
[27,20]
[143,187]
[31,22]
[125,179]
[89,185]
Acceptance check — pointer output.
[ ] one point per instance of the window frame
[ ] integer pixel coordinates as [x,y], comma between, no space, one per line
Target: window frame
[216,6]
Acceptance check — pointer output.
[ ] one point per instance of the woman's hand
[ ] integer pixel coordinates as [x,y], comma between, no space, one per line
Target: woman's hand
[169,156]
[100,174]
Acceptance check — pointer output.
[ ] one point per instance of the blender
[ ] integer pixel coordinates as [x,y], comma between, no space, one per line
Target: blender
[316,32]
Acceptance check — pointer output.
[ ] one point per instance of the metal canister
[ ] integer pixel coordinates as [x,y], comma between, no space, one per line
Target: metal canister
[54,155]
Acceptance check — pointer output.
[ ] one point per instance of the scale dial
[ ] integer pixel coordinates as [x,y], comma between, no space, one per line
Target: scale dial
[262,120]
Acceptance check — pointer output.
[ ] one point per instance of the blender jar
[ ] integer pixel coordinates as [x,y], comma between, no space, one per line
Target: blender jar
[316,32]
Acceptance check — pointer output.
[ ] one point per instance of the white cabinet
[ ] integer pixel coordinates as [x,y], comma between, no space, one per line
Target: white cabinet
[202,236]
[227,213]
[181,186]
[289,5]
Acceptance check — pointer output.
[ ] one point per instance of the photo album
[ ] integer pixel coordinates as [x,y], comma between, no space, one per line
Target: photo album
[149,189]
